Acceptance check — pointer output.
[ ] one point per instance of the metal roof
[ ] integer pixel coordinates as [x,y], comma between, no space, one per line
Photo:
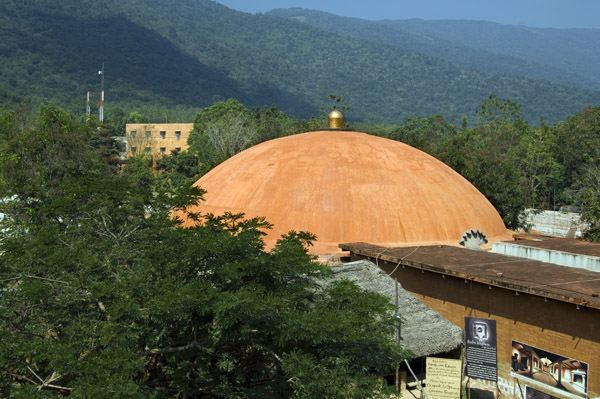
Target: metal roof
[571,285]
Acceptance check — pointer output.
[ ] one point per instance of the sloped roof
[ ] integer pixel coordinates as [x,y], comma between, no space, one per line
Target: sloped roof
[348,186]
[423,331]
[573,285]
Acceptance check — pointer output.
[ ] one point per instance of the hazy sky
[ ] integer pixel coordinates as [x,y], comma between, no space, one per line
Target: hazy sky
[540,13]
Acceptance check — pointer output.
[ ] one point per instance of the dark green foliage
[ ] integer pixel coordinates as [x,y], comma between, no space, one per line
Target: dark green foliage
[185,164]
[428,134]
[193,53]
[578,151]
[484,46]
[102,295]
[517,166]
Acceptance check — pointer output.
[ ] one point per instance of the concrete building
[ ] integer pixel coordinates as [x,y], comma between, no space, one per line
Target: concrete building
[156,139]
[555,223]
[560,251]
[547,316]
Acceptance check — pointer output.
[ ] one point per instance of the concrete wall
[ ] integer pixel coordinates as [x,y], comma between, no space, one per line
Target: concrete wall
[157,139]
[549,325]
[547,255]
[555,223]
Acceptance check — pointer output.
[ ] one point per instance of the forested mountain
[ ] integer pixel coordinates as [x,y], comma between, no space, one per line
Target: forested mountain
[571,50]
[564,56]
[192,52]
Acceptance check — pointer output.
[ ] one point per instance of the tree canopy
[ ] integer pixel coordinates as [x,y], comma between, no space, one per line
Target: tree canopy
[228,127]
[102,294]
[514,164]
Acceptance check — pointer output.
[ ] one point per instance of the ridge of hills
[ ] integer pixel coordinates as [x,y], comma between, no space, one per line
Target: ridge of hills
[194,52]
[564,56]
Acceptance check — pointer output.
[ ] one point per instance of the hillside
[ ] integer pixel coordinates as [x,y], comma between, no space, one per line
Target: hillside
[575,51]
[194,52]
[512,50]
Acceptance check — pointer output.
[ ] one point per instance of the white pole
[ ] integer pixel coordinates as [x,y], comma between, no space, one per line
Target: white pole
[101,110]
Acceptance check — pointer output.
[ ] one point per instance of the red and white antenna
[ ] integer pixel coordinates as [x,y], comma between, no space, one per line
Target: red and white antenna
[101,108]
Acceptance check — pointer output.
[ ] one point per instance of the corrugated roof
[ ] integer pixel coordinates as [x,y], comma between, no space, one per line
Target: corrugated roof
[572,285]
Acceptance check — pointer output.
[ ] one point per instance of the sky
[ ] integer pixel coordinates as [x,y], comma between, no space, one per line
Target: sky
[536,13]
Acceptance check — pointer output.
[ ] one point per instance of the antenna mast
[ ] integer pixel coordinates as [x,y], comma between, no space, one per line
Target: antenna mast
[101,110]
[88,109]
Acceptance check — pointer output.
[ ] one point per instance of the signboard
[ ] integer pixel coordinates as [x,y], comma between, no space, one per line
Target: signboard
[558,373]
[480,342]
[443,378]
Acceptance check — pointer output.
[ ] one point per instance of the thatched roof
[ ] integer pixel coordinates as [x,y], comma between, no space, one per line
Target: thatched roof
[424,332]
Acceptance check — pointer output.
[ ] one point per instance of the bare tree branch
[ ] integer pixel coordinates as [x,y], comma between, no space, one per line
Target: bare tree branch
[174,349]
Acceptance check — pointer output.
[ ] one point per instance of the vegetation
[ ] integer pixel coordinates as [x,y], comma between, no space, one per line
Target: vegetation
[228,127]
[102,294]
[197,52]
[567,57]
[515,165]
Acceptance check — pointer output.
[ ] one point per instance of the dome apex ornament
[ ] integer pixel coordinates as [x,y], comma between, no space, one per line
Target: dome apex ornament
[336,120]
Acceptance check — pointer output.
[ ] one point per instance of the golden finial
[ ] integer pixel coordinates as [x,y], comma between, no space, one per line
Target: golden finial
[336,119]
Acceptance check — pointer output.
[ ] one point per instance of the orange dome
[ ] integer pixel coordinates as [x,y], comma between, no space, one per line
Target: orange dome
[347,187]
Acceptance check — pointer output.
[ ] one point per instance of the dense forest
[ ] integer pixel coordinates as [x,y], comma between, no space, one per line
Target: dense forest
[188,55]
[565,56]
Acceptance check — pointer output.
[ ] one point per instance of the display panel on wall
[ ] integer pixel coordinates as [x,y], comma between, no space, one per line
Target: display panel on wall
[480,340]
[557,372]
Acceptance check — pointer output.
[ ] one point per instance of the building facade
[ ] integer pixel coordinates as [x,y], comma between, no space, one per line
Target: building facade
[156,139]
[547,316]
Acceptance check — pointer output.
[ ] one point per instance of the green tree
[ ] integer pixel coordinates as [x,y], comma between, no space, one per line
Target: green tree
[540,169]
[489,156]
[272,123]
[578,151]
[425,133]
[578,144]
[103,294]
[184,164]
[228,127]
[587,194]
[222,130]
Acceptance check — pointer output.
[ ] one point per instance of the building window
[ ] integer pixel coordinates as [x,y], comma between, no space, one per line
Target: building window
[133,150]
[163,134]
[147,149]
[133,133]
[163,150]
[178,149]
[148,134]
[177,135]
